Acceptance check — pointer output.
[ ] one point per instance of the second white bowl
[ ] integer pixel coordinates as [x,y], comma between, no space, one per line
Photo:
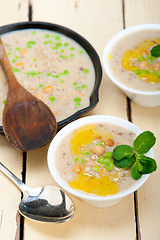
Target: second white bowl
[143,98]
[94,200]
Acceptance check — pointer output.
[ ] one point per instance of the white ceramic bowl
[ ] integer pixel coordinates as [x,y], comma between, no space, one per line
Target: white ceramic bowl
[143,98]
[97,201]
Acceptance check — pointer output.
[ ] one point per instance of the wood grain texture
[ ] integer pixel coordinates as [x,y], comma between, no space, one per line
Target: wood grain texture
[94,20]
[147,119]
[10,12]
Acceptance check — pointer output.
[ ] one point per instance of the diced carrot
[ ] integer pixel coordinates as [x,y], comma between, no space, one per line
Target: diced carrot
[76,168]
[19,63]
[23,51]
[48,89]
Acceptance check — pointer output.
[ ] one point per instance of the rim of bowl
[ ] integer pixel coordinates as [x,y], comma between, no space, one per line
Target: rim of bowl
[94,97]
[111,44]
[71,127]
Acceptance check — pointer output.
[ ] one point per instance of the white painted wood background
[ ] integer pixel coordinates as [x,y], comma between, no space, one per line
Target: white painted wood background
[97,21]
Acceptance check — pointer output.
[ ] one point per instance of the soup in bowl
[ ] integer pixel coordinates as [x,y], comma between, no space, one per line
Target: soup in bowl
[80,159]
[55,64]
[133,66]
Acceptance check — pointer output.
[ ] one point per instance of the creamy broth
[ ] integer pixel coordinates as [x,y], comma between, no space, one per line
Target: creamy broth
[51,66]
[132,78]
[79,165]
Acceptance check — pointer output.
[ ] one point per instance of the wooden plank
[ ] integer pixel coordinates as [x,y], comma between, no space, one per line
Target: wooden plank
[92,19]
[147,119]
[10,196]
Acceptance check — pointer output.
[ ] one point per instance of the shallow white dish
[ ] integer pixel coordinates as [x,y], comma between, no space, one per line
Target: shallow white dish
[143,98]
[97,201]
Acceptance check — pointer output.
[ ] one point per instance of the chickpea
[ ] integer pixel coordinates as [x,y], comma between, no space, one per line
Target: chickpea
[143,65]
[90,163]
[98,150]
[109,142]
[102,172]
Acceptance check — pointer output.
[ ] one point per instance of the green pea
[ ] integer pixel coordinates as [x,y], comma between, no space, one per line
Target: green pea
[107,160]
[77,105]
[83,87]
[58,44]
[55,76]
[48,74]
[77,88]
[74,84]
[86,71]
[4,101]
[96,168]
[146,71]
[45,42]
[81,52]
[76,159]
[15,69]
[86,153]
[52,99]
[9,53]
[33,33]
[65,72]
[18,48]
[100,143]
[138,71]
[63,56]
[54,48]
[31,42]
[72,48]
[41,85]
[35,59]
[100,159]
[66,44]
[72,55]
[13,60]
[82,160]
[109,166]
[141,58]
[108,154]
[57,38]
[47,35]
[77,99]
[33,74]
[61,81]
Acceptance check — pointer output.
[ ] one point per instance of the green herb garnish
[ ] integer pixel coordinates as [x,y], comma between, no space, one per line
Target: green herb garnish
[156,51]
[125,156]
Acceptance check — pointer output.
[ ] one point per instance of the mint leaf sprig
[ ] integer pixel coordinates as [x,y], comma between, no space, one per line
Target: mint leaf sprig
[125,156]
[155,51]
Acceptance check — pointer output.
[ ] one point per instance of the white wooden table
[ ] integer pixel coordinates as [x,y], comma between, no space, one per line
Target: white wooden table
[138,215]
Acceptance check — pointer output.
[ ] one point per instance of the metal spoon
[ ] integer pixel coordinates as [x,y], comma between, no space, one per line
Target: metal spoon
[44,204]
[28,123]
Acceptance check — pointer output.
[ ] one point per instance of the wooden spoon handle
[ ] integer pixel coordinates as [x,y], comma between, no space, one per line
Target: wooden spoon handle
[6,66]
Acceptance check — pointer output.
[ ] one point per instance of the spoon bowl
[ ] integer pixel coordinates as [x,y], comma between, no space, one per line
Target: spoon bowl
[28,123]
[44,204]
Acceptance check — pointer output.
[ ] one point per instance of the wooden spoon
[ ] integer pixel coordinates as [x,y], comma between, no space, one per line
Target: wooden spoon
[27,122]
